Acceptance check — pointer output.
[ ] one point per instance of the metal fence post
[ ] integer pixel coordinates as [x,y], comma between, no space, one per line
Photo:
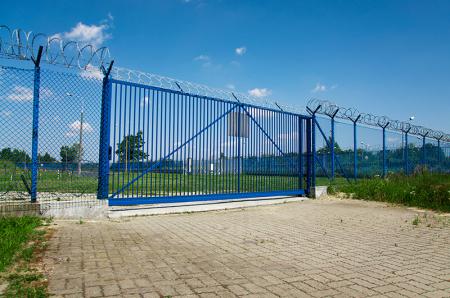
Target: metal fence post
[384,151]
[313,150]
[439,152]
[406,153]
[355,148]
[35,133]
[105,127]
[423,149]
[332,148]
[384,172]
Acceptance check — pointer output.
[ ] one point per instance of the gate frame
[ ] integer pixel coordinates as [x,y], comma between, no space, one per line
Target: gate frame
[105,152]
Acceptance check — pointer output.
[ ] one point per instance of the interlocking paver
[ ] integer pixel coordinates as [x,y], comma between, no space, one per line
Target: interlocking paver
[315,248]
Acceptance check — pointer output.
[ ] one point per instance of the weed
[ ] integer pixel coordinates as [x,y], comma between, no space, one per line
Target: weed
[416,221]
[424,190]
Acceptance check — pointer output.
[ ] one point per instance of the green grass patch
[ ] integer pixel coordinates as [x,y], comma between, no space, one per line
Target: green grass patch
[423,190]
[26,285]
[21,245]
[15,232]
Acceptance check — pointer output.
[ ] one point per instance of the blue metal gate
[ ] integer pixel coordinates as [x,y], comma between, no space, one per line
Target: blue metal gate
[160,145]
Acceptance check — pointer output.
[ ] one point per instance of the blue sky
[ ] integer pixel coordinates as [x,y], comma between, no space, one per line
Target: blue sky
[384,57]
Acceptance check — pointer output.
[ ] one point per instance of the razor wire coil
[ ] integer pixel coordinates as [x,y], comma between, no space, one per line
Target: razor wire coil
[330,109]
[23,45]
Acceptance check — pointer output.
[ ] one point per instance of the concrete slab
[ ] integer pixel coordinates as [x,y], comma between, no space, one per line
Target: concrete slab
[156,209]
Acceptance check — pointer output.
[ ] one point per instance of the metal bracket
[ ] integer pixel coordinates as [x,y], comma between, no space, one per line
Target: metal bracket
[37,61]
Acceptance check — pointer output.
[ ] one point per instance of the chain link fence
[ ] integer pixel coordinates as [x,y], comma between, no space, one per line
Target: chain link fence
[68,143]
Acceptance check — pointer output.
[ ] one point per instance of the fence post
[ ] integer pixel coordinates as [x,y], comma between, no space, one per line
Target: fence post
[406,152]
[355,147]
[105,127]
[35,133]
[439,152]
[384,150]
[311,147]
[423,149]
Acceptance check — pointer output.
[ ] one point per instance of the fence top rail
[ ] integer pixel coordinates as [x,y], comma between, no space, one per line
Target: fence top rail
[180,90]
[332,110]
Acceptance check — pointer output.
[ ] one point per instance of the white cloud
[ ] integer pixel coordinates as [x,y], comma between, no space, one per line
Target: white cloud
[260,92]
[91,72]
[74,128]
[95,35]
[22,93]
[241,51]
[259,113]
[319,88]
[231,86]
[204,59]
[145,101]
[6,113]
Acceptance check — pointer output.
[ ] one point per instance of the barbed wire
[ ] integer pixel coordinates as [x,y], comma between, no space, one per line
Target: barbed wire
[159,81]
[24,45]
[330,109]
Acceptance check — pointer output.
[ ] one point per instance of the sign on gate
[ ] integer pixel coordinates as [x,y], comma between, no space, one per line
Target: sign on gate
[238,127]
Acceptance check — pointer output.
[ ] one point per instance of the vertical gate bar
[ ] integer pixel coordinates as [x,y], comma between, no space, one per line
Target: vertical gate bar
[300,150]
[210,141]
[239,149]
[35,130]
[127,136]
[157,140]
[384,152]
[149,143]
[119,148]
[113,143]
[140,160]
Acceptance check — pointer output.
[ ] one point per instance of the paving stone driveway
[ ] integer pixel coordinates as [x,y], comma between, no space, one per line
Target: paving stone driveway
[308,249]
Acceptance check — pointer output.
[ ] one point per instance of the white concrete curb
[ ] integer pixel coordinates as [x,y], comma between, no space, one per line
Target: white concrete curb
[158,209]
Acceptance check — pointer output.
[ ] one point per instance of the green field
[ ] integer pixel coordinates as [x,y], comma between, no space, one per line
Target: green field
[152,183]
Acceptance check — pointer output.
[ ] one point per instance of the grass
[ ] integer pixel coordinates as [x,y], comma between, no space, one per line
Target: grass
[14,233]
[424,190]
[154,183]
[21,242]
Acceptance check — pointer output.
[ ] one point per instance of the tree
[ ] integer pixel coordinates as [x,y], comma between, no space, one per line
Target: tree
[131,148]
[69,154]
[326,149]
[47,158]
[15,155]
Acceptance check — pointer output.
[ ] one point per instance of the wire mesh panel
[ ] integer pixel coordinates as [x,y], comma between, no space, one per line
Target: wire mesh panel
[395,155]
[172,146]
[69,117]
[16,113]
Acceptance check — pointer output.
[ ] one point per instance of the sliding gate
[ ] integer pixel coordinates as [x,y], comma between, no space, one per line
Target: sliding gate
[171,146]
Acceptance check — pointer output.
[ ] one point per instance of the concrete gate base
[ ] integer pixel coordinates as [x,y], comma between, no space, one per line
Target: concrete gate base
[157,209]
